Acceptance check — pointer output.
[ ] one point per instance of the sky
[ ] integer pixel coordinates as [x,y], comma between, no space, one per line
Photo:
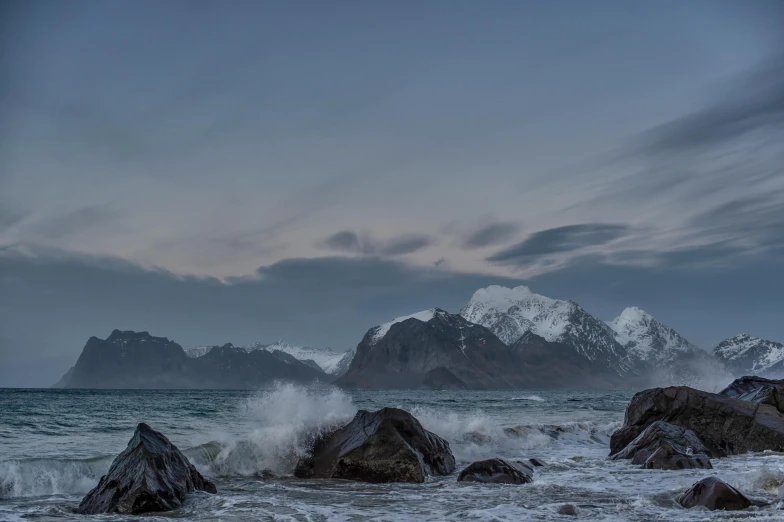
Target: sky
[250,171]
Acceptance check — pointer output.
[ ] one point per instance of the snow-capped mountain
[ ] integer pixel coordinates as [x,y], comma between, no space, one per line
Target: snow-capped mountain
[331,362]
[378,332]
[747,355]
[647,339]
[510,312]
[326,359]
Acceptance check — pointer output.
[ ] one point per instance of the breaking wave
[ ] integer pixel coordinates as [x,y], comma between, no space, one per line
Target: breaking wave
[38,477]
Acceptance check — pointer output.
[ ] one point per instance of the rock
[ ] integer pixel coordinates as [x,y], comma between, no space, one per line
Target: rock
[496,471]
[150,475]
[568,509]
[388,445]
[669,458]
[675,439]
[725,425]
[757,389]
[536,462]
[714,494]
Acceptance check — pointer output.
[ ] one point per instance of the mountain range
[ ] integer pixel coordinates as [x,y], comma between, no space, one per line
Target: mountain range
[503,338]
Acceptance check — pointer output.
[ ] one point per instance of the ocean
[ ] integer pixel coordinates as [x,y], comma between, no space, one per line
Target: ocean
[55,445]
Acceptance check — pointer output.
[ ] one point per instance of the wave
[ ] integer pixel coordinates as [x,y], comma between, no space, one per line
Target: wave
[534,398]
[38,477]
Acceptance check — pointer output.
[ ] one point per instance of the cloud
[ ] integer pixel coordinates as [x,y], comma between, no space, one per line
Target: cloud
[492,234]
[758,103]
[351,242]
[72,222]
[558,240]
[406,244]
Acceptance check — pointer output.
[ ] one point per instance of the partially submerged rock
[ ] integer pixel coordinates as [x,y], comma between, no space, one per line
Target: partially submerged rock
[757,389]
[669,458]
[388,445]
[150,475]
[667,446]
[725,425]
[496,471]
[714,494]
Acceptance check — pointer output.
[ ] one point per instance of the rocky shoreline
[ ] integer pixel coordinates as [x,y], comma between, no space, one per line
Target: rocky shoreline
[673,428]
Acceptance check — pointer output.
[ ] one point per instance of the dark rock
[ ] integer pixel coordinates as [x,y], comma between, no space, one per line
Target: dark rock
[669,458]
[725,425]
[568,509]
[150,475]
[388,445]
[661,434]
[757,389]
[714,494]
[496,471]
[536,462]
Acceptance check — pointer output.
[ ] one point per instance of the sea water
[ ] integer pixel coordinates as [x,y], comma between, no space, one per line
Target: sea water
[56,444]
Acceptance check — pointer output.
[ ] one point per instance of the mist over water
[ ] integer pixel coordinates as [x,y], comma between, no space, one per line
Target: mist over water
[57,443]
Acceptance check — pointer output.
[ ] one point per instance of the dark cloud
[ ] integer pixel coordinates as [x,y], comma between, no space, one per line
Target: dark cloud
[406,244]
[68,223]
[9,218]
[492,234]
[557,240]
[345,241]
[348,241]
[756,104]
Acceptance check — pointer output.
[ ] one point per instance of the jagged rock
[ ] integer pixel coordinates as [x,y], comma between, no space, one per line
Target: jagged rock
[757,389]
[388,445]
[723,424]
[669,458]
[714,494]
[496,471]
[675,439]
[150,475]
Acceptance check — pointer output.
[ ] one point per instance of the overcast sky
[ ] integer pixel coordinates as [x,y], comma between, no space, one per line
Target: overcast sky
[245,171]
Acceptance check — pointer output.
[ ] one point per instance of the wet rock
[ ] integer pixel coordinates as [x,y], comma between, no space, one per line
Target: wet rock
[497,471]
[675,447]
[757,389]
[150,475]
[536,462]
[388,445]
[669,458]
[568,509]
[714,494]
[725,425]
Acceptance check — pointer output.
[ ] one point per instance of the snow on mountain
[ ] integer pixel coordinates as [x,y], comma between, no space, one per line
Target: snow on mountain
[647,339]
[747,355]
[510,312]
[329,361]
[333,363]
[381,330]
[197,351]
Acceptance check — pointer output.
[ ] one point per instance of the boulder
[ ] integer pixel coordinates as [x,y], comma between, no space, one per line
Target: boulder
[676,439]
[714,494]
[150,475]
[757,389]
[725,425]
[669,458]
[388,445]
[496,471]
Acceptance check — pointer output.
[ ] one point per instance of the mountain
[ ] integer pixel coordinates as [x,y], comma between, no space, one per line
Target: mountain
[647,339]
[747,355]
[132,360]
[330,362]
[438,350]
[511,312]
[432,349]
